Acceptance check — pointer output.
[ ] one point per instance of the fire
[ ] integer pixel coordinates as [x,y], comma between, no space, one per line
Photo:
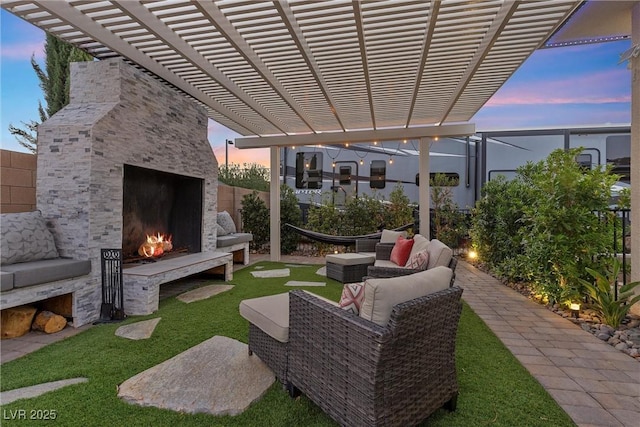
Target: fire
[155,246]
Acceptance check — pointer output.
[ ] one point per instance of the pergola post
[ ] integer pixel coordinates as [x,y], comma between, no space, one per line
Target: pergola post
[274,204]
[635,152]
[424,193]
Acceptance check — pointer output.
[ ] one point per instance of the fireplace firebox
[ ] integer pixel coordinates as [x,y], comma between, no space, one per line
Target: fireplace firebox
[157,202]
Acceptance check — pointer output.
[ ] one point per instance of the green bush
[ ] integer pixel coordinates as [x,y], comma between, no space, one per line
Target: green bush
[449,224]
[290,213]
[399,211]
[255,219]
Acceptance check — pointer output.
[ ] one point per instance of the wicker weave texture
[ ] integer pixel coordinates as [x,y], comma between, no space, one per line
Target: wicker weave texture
[347,273]
[366,245]
[271,351]
[362,374]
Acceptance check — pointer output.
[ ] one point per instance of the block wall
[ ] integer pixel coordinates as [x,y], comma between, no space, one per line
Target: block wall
[18,181]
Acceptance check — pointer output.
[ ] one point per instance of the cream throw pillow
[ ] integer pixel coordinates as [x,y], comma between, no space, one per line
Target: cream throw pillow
[390,236]
[381,295]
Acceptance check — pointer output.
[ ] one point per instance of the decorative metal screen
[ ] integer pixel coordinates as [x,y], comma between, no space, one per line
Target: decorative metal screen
[112,285]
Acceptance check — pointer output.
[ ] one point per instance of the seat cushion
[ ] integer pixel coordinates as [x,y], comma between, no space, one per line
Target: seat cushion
[381,295]
[233,239]
[6,281]
[439,254]
[350,259]
[25,237]
[47,270]
[270,314]
[385,263]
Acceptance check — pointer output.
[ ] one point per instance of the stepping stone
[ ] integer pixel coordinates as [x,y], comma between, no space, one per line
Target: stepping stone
[295,265]
[322,271]
[139,330]
[216,377]
[203,293]
[301,283]
[283,272]
[258,267]
[10,396]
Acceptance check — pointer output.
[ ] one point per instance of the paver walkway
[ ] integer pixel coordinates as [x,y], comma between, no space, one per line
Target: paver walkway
[594,383]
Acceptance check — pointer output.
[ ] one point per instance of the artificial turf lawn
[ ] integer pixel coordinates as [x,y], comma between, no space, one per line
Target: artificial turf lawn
[494,388]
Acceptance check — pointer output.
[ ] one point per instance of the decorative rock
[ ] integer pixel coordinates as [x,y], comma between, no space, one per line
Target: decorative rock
[36,390]
[634,352]
[216,376]
[602,336]
[203,293]
[585,327]
[621,346]
[607,329]
[139,330]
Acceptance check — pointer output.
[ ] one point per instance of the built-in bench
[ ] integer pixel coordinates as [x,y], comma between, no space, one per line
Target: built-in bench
[141,283]
[229,240]
[31,269]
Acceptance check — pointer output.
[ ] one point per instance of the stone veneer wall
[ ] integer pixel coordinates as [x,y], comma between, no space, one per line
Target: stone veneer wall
[117,115]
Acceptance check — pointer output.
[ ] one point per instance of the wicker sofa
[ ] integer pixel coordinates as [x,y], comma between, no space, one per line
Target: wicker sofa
[377,372]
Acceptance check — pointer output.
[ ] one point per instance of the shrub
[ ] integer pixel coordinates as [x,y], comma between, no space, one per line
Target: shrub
[399,212]
[255,219]
[289,213]
[603,300]
[449,225]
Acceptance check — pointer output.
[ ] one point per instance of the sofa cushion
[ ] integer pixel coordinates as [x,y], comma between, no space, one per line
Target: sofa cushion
[385,263]
[233,239]
[226,222]
[25,237]
[270,314]
[401,250]
[420,244]
[46,270]
[6,281]
[439,254]
[349,259]
[381,295]
[390,236]
[352,297]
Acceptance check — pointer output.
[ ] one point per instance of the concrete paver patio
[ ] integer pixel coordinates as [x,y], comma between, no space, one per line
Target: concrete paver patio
[594,383]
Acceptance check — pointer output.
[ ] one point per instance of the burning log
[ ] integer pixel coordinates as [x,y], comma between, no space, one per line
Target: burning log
[155,246]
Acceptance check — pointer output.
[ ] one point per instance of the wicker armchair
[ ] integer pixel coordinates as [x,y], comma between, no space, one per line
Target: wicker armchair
[364,374]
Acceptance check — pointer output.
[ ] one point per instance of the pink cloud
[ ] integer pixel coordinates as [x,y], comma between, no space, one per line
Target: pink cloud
[610,86]
[23,51]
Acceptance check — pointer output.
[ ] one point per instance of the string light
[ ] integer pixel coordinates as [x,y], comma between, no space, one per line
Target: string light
[293,147]
[404,141]
[333,164]
[346,144]
[361,162]
[390,160]
[375,142]
[436,138]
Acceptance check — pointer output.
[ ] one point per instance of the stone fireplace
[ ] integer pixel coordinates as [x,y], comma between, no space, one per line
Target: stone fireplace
[122,128]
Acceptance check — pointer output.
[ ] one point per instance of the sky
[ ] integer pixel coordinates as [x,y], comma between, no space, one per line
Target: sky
[568,86]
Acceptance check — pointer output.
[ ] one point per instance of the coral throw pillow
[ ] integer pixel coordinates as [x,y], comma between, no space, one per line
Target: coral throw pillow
[352,297]
[419,261]
[401,250]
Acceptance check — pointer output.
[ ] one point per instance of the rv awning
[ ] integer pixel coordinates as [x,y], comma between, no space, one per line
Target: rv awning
[276,68]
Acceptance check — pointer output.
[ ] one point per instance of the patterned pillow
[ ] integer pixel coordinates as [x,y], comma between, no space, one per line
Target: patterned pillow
[225,221]
[352,297]
[25,237]
[418,261]
[221,231]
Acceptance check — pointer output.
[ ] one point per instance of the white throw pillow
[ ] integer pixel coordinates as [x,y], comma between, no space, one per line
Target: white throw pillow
[381,295]
[420,244]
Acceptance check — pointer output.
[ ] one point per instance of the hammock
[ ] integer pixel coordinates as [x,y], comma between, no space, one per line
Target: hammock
[340,240]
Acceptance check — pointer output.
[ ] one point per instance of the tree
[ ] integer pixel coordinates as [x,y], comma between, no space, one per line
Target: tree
[54,82]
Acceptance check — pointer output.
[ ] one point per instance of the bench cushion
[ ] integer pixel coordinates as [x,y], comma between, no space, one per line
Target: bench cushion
[6,281]
[25,237]
[439,254]
[48,270]
[233,239]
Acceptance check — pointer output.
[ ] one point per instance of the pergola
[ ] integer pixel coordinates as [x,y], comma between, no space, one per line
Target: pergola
[304,72]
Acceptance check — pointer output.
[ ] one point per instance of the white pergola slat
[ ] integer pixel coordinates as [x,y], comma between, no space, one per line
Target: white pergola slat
[276,68]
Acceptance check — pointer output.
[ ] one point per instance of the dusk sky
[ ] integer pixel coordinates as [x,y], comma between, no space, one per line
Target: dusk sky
[572,86]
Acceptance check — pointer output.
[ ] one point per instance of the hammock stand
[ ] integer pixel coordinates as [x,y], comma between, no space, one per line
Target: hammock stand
[340,240]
